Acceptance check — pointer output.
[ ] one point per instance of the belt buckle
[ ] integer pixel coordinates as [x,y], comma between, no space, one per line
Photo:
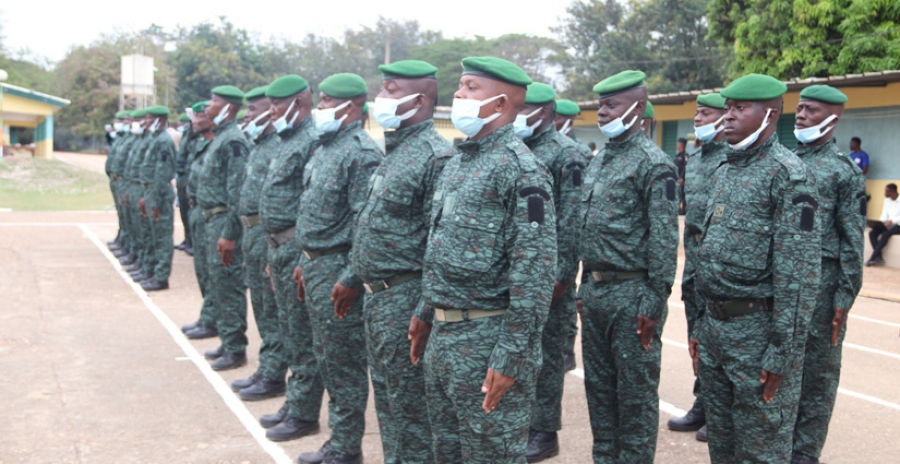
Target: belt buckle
[368,288]
[716,308]
[271,241]
[308,256]
[598,277]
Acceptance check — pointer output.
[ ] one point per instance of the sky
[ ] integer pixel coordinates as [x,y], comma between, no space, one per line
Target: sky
[48,28]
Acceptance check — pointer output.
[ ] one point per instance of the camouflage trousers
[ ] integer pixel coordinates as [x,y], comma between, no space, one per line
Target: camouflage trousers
[399,386]
[184,206]
[547,416]
[743,428]
[161,233]
[201,269]
[821,369]
[226,285]
[456,363]
[338,346]
[304,386]
[262,299]
[139,232]
[693,301]
[621,379]
[147,249]
[116,189]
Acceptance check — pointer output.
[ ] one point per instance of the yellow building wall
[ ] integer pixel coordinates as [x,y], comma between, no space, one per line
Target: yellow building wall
[44,149]
[16,104]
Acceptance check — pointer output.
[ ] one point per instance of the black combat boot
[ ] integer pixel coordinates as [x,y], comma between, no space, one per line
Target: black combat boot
[263,389]
[153,285]
[690,422]
[701,435]
[292,428]
[316,457]
[241,384]
[214,354]
[201,331]
[541,445]
[229,361]
[271,420]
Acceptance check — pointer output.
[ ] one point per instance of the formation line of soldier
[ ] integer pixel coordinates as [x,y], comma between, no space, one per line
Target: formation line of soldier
[448,274]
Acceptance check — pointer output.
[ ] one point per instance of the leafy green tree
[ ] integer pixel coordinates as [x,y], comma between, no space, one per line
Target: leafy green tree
[873,29]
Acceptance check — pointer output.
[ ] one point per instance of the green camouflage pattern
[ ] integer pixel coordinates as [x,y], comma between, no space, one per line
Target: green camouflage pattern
[208,315]
[134,191]
[115,164]
[630,224]
[390,241]
[842,218]
[157,171]
[280,197]
[186,148]
[761,239]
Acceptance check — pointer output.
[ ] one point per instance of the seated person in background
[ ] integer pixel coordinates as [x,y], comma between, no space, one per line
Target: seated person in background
[890,225]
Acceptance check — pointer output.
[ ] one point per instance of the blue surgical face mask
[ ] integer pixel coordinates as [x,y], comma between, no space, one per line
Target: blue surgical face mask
[811,134]
[222,115]
[464,115]
[521,127]
[282,124]
[252,129]
[385,111]
[616,127]
[751,139]
[708,132]
[325,118]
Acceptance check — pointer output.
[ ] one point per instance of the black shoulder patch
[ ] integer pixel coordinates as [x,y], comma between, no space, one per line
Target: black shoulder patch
[670,189]
[236,149]
[863,203]
[807,218]
[666,174]
[534,191]
[165,156]
[574,164]
[536,210]
[372,164]
[576,177]
[806,198]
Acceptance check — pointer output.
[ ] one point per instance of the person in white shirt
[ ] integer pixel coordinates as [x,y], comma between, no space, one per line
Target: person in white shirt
[889,225]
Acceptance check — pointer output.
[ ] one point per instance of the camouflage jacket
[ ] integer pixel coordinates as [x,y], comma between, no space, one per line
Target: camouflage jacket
[630,217]
[842,214]
[114,149]
[119,153]
[492,244]
[279,202]
[261,154]
[195,164]
[698,174]
[761,239]
[132,171]
[566,163]
[185,148]
[222,175]
[392,229]
[335,183]
[158,168]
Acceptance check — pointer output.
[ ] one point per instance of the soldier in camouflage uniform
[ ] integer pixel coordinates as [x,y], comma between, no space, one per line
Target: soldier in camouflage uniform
[279,206]
[566,163]
[488,275]
[268,380]
[120,138]
[758,271]
[842,217]
[133,193]
[629,241]
[218,194]
[156,172]
[389,248]
[335,184]
[182,172]
[700,168]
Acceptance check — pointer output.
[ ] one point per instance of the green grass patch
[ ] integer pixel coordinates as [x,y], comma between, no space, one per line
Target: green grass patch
[34,184]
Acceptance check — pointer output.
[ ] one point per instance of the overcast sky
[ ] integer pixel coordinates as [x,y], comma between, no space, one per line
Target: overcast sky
[50,27]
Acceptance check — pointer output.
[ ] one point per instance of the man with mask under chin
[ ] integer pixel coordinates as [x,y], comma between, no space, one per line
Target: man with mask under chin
[842,216]
[629,242]
[535,125]
[388,251]
[758,272]
[335,183]
[218,196]
[488,274]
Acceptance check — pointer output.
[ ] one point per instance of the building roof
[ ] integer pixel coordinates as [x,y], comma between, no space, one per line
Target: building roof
[32,95]
[848,80]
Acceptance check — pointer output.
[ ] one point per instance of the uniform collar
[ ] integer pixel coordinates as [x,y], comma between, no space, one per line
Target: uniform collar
[634,139]
[541,137]
[225,126]
[329,137]
[479,146]
[744,156]
[394,138]
[804,151]
[306,123]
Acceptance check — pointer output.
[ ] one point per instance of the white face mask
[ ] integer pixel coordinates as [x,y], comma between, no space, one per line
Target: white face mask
[252,129]
[281,124]
[154,126]
[119,127]
[521,127]
[708,132]
[616,127]
[222,115]
[385,111]
[811,134]
[565,129]
[464,115]
[751,139]
[324,118]
[137,128]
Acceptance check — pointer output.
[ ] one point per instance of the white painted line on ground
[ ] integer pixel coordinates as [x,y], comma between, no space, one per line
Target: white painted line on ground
[869,319]
[56,224]
[872,350]
[64,160]
[665,407]
[674,343]
[237,407]
[871,399]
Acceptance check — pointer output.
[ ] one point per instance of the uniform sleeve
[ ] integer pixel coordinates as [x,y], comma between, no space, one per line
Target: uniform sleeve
[851,225]
[571,180]
[662,240]
[358,177]
[796,261]
[181,158]
[236,155]
[531,250]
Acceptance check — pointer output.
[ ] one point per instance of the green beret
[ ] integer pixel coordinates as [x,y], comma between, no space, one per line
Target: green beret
[285,86]
[754,87]
[158,110]
[230,93]
[567,108]
[619,83]
[649,112]
[408,68]
[241,114]
[824,93]
[199,107]
[344,85]
[256,94]
[139,113]
[123,115]
[495,68]
[712,100]
[538,93]
[184,118]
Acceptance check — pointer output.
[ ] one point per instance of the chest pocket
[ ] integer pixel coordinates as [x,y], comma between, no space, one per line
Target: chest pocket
[741,244]
[395,209]
[469,241]
[610,208]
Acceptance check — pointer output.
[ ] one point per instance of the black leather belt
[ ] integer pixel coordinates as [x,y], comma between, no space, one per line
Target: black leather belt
[608,276]
[280,238]
[721,310]
[251,220]
[313,254]
[376,287]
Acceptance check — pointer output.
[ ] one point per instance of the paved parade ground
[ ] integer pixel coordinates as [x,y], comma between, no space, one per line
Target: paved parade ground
[96,370]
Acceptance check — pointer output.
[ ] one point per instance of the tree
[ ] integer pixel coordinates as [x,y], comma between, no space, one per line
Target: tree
[872,29]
